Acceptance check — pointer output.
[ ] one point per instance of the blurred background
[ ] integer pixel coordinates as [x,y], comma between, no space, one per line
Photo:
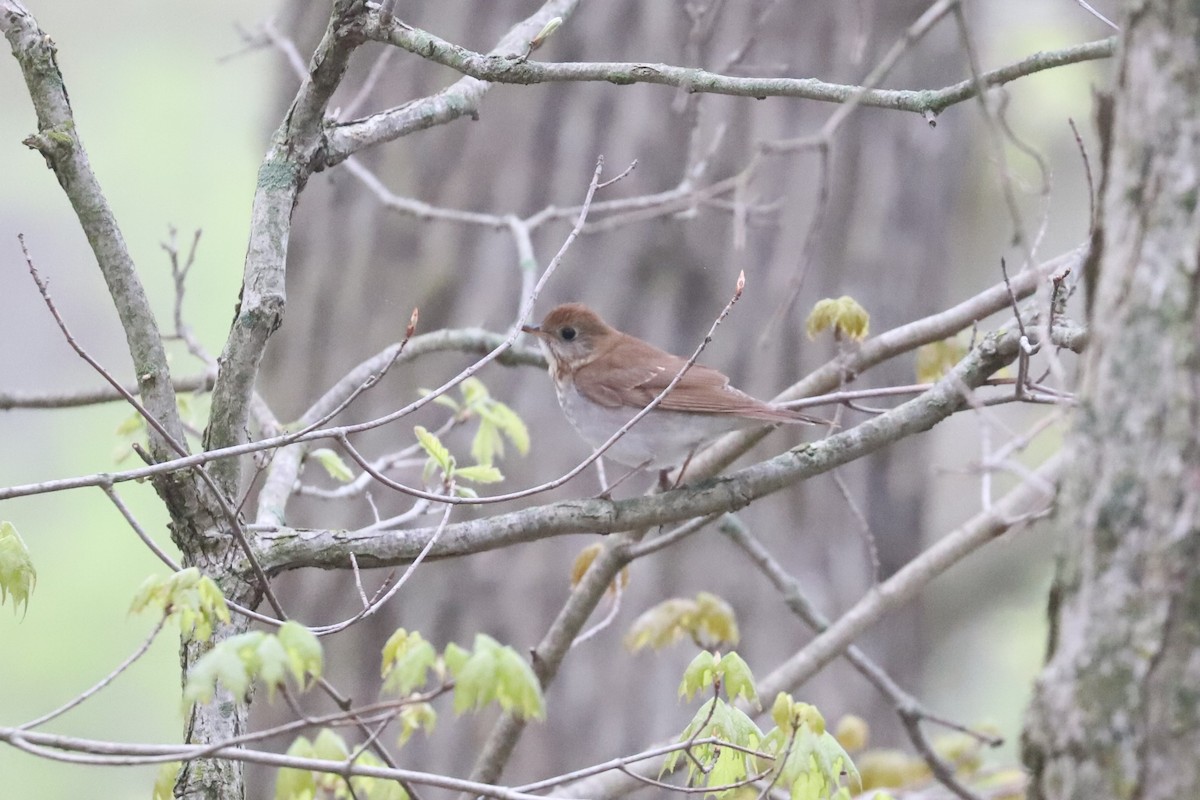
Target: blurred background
[175,111]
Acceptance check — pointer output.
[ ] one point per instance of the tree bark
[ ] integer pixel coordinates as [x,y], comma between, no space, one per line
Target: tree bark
[1116,712]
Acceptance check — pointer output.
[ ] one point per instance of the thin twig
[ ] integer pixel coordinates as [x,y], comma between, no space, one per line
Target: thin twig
[864,526]
[105,681]
[371,608]
[578,468]
[910,711]
[235,525]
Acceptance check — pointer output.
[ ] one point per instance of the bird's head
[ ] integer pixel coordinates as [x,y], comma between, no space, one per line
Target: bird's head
[571,335]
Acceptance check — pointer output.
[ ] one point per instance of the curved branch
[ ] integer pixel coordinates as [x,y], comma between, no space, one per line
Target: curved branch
[94,751]
[458,100]
[889,344]
[59,143]
[500,68]
[90,397]
[1030,497]
[290,160]
[288,548]
[824,379]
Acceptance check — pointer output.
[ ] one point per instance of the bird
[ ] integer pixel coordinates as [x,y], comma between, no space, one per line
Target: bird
[603,377]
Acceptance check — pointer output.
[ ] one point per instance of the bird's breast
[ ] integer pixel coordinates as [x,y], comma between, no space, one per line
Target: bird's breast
[658,440]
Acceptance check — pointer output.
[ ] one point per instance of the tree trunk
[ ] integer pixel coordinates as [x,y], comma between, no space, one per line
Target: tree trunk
[1116,713]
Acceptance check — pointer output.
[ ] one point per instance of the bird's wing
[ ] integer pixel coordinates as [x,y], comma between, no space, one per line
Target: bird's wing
[643,371]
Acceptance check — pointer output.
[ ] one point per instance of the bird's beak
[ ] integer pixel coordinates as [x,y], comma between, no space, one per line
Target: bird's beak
[534,329]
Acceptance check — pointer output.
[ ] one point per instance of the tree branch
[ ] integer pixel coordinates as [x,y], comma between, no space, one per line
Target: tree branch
[288,548]
[500,68]
[834,373]
[458,100]
[824,379]
[90,397]
[290,160]
[1030,497]
[59,143]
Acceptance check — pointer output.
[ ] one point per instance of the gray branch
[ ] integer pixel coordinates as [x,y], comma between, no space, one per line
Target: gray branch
[458,100]
[59,143]
[291,548]
[504,68]
[91,397]
[834,373]
[292,157]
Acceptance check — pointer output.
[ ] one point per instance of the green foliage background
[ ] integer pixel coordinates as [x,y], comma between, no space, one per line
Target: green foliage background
[175,137]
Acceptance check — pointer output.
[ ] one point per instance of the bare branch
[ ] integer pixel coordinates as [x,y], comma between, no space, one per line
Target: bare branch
[284,171]
[498,69]
[10,400]
[902,339]
[461,99]
[291,548]
[91,751]
[59,142]
[910,579]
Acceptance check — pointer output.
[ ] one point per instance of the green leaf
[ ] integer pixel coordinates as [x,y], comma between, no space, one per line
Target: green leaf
[442,399]
[455,658]
[437,451]
[333,464]
[183,404]
[272,664]
[730,767]
[330,746]
[844,316]
[194,599]
[937,358]
[549,28]
[719,720]
[153,591]
[708,620]
[509,423]
[305,656]
[418,716]
[480,473]
[852,732]
[815,760]
[660,625]
[131,425]
[407,659]
[17,575]
[883,767]
[164,784]
[781,711]
[486,443]
[228,664]
[738,680]
[238,660]
[211,606]
[699,675]
[715,623]
[493,672]
[520,691]
[296,784]
[474,392]
[476,680]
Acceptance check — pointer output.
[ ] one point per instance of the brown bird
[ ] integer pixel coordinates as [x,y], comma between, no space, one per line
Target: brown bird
[604,377]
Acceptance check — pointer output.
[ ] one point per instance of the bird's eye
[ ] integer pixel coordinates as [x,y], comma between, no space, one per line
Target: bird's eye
[567,333]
